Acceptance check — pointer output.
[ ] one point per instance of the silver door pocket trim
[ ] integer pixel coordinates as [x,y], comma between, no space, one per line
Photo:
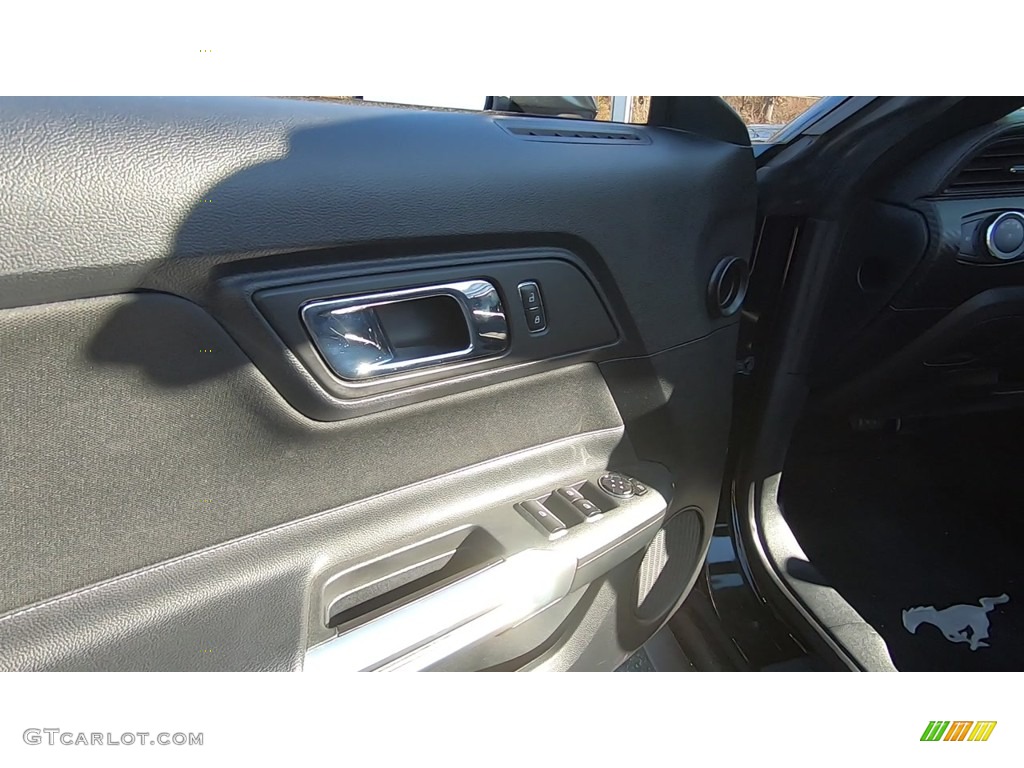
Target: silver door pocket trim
[418,634]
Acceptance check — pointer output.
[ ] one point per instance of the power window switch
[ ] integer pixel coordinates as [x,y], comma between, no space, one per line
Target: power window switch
[639,488]
[588,509]
[570,494]
[543,517]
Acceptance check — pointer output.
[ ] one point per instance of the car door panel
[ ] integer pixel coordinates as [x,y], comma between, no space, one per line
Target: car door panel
[183,473]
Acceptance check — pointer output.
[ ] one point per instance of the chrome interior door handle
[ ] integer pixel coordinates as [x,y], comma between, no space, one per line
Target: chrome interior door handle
[383,334]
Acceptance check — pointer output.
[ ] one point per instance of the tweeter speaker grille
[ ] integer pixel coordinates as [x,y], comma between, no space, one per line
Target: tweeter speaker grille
[671,559]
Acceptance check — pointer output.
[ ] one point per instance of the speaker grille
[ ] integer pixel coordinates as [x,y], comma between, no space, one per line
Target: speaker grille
[670,561]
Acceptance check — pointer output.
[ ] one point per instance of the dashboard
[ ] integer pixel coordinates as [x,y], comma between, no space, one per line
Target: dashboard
[926,312]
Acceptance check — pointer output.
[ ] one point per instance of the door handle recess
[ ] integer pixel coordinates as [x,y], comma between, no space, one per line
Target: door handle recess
[413,636]
[383,334]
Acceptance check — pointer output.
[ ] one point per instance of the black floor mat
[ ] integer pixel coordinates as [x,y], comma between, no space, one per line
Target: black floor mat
[898,522]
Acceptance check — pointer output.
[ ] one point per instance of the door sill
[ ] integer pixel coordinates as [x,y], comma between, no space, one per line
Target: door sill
[802,593]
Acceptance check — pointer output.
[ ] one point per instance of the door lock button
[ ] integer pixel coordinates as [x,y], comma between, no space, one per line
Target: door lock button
[543,517]
[616,485]
[536,320]
[531,295]
[533,306]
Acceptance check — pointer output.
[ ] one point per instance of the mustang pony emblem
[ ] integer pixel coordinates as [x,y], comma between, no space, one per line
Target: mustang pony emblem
[958,623]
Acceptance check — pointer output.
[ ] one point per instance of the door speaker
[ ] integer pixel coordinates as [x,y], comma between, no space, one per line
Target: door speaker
[728,287]
[671,559]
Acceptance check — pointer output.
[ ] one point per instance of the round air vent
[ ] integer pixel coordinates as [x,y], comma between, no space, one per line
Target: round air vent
[728,287]
[671,559]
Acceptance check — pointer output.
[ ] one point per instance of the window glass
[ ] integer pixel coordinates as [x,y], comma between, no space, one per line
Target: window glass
[630,109]
[765,115]
[626,109]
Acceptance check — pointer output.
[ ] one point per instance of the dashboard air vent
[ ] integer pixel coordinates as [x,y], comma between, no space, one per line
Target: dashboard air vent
[566,131]
[569,133]
[999,167]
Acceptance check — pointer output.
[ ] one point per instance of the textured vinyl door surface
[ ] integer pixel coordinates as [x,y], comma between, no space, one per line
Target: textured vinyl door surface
[188,484]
